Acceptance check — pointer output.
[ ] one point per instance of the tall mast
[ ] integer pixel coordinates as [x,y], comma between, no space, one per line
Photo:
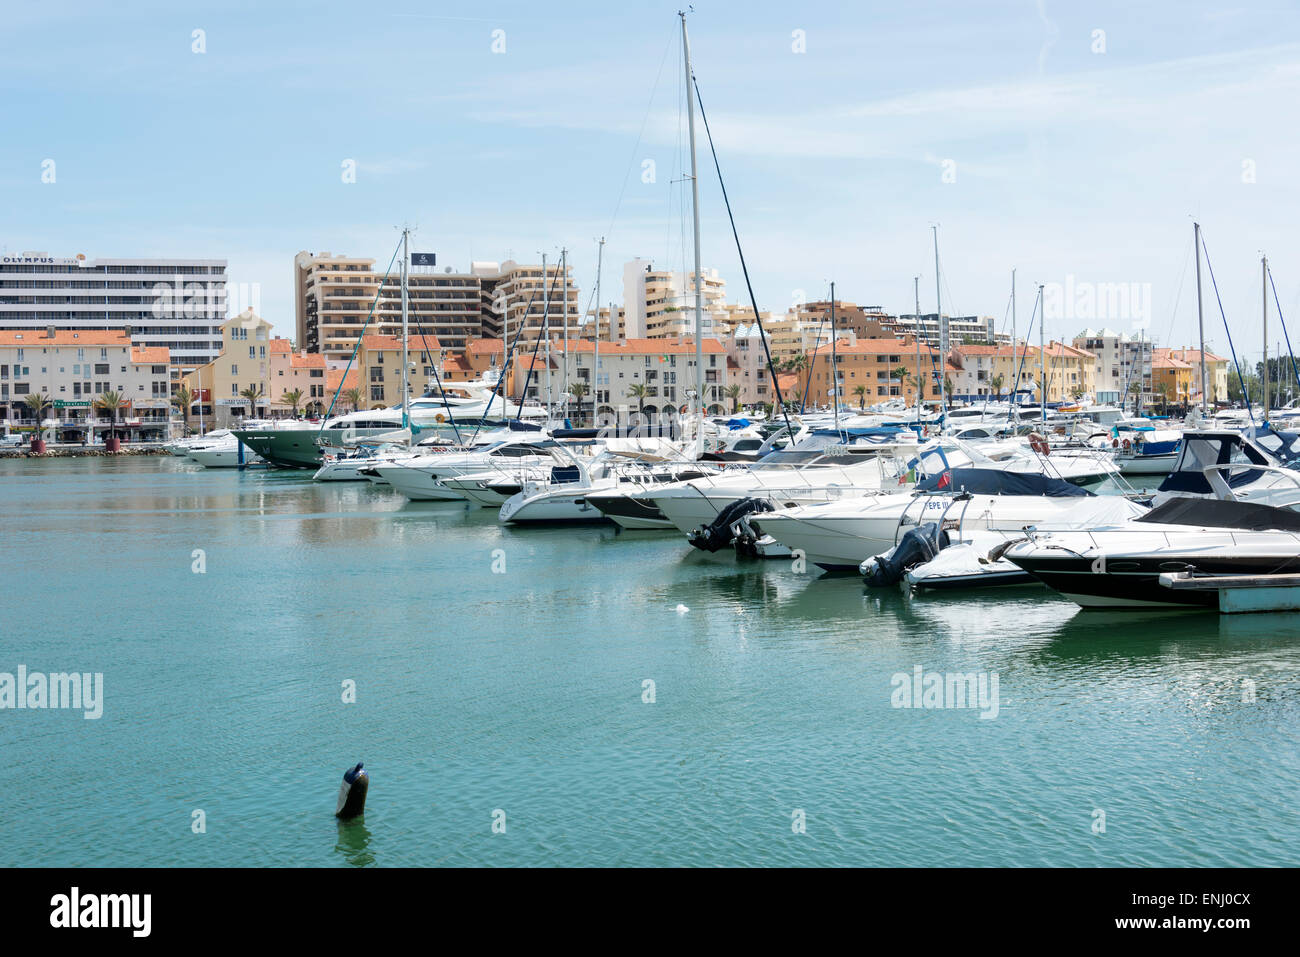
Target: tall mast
[1015,372]
[546,332]
[1263,273]
[1200,319]
[1042,357]
[564,292]
[595,362]
[943,330]
[920,378]
[835,379]
[406,392]
[695,215]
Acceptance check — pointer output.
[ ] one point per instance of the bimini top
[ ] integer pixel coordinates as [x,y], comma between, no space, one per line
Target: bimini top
[998,482]
[878,432]
[1217,513]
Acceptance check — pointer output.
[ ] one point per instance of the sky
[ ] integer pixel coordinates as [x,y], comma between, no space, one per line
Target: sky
[1074,143]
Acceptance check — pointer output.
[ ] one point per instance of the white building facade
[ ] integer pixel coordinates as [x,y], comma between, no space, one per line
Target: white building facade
[172,304]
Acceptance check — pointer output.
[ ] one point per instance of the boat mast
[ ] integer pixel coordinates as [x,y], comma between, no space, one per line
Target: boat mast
[1263,271]
[695,215]
[1042,357]
[564,291]
[546,321]
[835,379]
[1014,370]
[943,330]
[920,379]
[595,370]
[1200,319]
[406,391]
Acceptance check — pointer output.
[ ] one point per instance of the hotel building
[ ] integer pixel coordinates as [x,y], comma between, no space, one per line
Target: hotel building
[334,295]
[172,304]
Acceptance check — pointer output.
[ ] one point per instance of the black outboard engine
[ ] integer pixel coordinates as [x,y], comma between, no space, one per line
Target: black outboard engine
[722,531]
[352,794]
[916,547]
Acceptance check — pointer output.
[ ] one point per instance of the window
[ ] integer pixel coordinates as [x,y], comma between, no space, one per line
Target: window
[101,368]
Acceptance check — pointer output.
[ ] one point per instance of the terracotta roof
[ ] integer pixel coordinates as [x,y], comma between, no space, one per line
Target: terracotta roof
[1187,355]
[1169,362]
[456,364]
[279,345]
[307,360]
[64,337]
[336,380]
[787,380]
[151,354]
[383,343]
[484,346]
[868,347]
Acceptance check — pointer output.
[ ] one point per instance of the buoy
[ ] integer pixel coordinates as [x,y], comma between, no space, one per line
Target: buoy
[352,793]
[682,609]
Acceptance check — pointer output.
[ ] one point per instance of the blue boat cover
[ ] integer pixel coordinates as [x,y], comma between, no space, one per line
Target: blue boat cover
[998,482]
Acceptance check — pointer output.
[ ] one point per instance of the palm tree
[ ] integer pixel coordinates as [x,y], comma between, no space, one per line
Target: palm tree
[112,403]
[861,392]
[1135,390]
[996,383]
[38,402]
[294,398]
[354,398]
[899,373]
[732,392]
[639,392]
[947,385]
[183,398]
[578,390]
[1163,389]
[252,394]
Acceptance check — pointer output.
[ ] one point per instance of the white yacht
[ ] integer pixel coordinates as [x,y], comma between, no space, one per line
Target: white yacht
[839,535]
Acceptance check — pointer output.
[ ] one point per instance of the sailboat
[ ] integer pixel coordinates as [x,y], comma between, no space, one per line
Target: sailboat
[301,444]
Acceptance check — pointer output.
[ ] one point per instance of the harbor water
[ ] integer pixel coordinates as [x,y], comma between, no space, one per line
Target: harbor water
[577,696]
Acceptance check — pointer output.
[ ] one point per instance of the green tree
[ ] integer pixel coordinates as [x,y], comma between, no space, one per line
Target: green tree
[354,398]
[294,398]
[639,391]
[732,392]
[251,395]
[183,398]
[579,390]
[111,403]
[861,392]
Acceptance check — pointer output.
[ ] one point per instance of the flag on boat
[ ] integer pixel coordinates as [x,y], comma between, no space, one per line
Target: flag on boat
[945,480]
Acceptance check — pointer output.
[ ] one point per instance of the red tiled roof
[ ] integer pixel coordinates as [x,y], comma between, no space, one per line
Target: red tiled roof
[151,354]
[335,379]
[63,337]
[381,343]
[280,345]
[307,360]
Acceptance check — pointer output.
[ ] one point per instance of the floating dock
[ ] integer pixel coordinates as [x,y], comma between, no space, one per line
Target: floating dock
[1239,594]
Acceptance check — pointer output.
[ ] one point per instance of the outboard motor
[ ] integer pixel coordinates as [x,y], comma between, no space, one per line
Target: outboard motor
[722,531]
[916,547]
[352,793]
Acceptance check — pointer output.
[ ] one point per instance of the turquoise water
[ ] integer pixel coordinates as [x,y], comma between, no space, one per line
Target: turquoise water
[522,692]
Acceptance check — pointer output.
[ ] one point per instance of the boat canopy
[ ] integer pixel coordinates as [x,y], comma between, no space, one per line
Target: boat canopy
[1221,513]
[998,482]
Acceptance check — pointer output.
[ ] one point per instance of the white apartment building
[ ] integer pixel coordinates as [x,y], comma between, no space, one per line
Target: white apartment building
[74,368]
[972,329]
[660,303]
[334,295]
[172,304]
[664,367]
[1122,361]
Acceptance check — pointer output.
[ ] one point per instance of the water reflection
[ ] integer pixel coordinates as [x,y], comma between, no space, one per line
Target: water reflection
[354,843]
